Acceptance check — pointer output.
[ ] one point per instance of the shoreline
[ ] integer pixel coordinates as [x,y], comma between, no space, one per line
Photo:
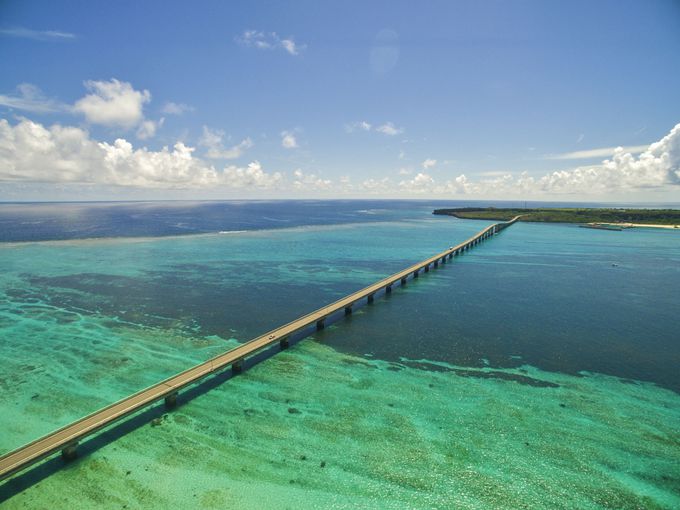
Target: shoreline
[638,225]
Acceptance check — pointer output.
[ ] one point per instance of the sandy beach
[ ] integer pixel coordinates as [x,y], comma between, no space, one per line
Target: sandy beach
[644,225]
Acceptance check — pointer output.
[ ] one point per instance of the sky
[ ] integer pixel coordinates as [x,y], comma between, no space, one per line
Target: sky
[529,100]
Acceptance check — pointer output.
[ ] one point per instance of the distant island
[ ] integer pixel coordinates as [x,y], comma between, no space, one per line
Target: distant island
[667,218]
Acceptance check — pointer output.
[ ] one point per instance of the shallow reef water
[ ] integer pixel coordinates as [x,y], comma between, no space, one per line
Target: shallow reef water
[536,371]
[313,428]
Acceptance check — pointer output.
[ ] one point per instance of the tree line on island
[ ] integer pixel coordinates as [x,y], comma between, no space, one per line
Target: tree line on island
[568,215]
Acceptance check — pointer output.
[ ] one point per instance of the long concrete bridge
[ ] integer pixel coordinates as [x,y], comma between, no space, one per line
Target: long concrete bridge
[66,439]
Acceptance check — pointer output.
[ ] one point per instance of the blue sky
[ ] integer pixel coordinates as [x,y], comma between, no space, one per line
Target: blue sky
[474,99]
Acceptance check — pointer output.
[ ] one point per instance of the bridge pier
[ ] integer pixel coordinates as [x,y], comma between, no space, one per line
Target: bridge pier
[284,343]
[436,263]
[348,310]
[171,400]
[415,274]
[388,289]
[320,324]
[369,299]
[403,281]
[70,452]
[237,367]
[427,268]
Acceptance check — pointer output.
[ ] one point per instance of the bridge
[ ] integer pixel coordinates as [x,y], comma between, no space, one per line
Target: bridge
[66,439]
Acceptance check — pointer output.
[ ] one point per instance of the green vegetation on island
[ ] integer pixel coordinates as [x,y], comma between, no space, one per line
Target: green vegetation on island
[570,215]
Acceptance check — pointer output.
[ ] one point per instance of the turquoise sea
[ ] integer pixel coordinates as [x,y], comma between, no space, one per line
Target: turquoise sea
[539,370]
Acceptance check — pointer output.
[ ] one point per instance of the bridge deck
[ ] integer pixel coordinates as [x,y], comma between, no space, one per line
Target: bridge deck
[27,455]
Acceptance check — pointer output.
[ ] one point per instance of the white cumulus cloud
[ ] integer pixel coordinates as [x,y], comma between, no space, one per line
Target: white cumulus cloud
[288,140]
[147,129]
[32,152]
[251,177]
[171,108]
[358,126]
[269,41]
[290,46]
[656,168]
[389,129]
[429,163]
[30,98]
[599,153]
[113,103]
[377,186]
[421,183]
[212,140]
[310,182]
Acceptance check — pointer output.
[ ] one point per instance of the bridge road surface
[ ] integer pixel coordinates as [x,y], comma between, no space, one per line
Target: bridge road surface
[66,438]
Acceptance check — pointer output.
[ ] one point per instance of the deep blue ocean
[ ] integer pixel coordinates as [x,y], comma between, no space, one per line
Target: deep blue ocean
[82,220]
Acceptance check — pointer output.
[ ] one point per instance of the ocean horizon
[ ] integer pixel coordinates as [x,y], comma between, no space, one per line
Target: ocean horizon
[43,221]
